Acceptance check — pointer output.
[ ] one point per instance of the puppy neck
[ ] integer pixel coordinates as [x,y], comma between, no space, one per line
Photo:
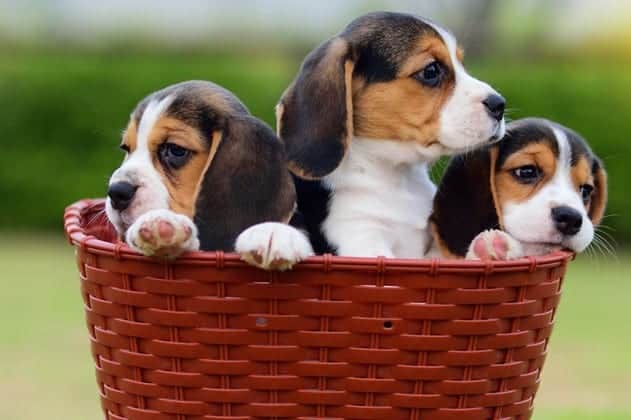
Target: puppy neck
[393,153]
[385,162]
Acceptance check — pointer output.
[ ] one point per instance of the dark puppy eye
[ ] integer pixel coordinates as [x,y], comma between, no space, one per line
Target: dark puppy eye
[124,148]
[586,192]
[173,156]
[431,75]
[528,174]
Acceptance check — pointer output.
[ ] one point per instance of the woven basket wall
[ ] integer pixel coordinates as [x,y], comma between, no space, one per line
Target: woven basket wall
[208,337]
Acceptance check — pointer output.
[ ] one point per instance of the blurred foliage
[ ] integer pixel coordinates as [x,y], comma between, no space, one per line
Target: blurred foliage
[62,115]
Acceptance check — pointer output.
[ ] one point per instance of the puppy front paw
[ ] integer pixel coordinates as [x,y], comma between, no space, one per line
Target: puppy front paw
[162,233]
[494,245]
[273,246]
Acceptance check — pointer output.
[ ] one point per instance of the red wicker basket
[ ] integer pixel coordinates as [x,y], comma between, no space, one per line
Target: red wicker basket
[208,337]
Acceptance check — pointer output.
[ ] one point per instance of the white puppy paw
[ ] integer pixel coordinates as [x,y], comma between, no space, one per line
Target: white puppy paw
[273,246]
[162,233]
[494,245]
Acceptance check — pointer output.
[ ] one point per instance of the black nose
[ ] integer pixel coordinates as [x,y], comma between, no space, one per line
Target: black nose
[495,105]
[567,220]
[121,194]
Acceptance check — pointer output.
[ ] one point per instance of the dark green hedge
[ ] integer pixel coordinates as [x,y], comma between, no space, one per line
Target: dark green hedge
[62,116]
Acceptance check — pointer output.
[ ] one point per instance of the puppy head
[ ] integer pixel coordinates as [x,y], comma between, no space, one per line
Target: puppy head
[386,76]
[542,184]
[193,148]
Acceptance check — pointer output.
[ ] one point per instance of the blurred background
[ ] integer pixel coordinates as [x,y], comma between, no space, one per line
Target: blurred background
[72,70]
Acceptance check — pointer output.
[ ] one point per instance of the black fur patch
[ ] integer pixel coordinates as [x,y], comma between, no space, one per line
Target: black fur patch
[247,183]
[312,210]
[314,122]
[464,206]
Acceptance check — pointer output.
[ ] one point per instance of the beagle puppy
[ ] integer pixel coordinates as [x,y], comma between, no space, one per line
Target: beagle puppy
[198,171]
[368,112]
[539,190]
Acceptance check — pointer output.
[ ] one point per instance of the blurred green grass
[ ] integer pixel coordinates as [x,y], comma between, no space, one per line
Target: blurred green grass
[63,113]
[46,369]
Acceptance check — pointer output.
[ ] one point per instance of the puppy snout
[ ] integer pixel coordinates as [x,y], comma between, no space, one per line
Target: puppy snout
[121,194]
[567,220]
[495,106]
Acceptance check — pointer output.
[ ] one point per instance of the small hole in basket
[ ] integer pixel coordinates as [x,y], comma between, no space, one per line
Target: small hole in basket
[261,322]
[387,324]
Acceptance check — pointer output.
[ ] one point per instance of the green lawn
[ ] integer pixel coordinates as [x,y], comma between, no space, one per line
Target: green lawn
[46,370]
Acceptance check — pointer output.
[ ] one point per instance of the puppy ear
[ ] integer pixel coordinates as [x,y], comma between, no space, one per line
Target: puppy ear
[315,114]
[466,202]
[599,198]
[246,182]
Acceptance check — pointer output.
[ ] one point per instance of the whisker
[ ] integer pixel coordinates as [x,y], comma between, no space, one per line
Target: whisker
[611,247]
[589,251]
[606,216]
[607,235]
[605,245]
[600,248]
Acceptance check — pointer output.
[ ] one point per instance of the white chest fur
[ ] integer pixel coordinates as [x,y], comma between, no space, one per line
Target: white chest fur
[381,201]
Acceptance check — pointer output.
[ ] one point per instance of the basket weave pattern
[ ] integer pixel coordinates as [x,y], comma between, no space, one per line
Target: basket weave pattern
[207,337]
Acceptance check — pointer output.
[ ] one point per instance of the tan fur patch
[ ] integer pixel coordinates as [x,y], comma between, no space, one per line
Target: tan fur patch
[581,173]
[299,171]
[279,110]
[183,183]
[130,135]
[493,184]
[404,109]
[599,197]
[216,140]
[348,84]
[460,54]
[428,49]
[508,189]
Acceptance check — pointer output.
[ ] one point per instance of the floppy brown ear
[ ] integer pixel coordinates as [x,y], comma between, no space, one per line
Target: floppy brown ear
[599,197]
[466,202]
[246,182]
[316,112]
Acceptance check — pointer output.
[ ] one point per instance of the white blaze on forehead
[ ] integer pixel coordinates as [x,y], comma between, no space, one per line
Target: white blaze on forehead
[139,160]
[563,191]
[150,116]
[565,150]
[561,178]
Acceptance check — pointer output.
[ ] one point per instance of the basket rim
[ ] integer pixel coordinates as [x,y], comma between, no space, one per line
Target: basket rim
[77,236]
